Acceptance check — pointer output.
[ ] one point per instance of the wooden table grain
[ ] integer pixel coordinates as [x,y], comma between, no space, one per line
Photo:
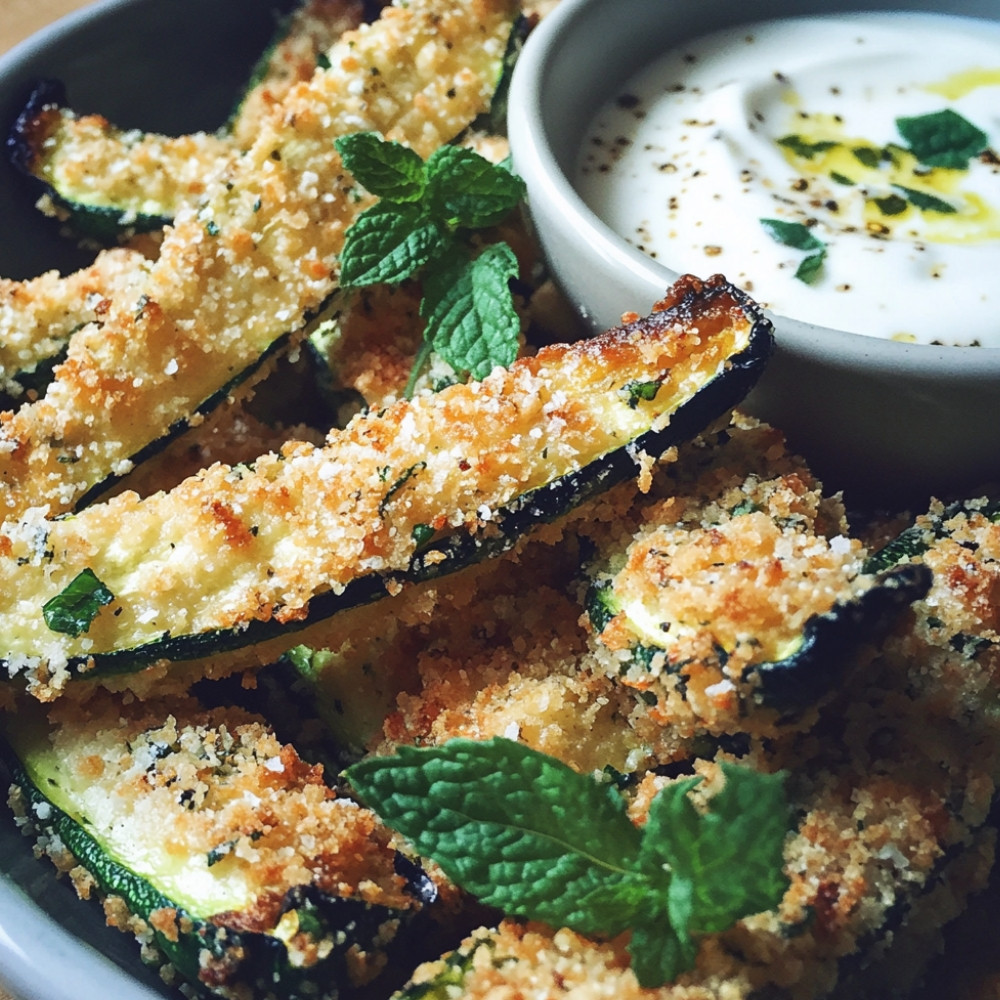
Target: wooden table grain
[21,18]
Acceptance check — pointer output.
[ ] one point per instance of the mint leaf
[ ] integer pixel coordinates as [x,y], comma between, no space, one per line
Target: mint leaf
[890,204]
[471,320]
[611,908]
[419,223]
[470,191]
[524,832]
[727,861]
[809,268]
[867,156]
[385,169]
[798,237]
[389,243]
[659,954]
[804,148]
[924,201]
[520,830]
[942,138]
[791,234]
[73,610]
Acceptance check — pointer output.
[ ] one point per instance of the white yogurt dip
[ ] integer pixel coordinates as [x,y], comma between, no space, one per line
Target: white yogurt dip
[797,122]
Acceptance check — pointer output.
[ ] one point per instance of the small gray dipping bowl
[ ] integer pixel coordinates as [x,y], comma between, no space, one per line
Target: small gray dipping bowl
[887,422]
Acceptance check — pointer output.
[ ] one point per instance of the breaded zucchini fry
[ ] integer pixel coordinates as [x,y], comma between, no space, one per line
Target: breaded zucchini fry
[108,183]
[38,316]
[219,847]
[234,277]
[299,48]
[737,602]
[422,489]
[892,788]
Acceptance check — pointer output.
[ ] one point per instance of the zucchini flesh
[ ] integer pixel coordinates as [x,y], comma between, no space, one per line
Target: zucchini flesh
[738,591]
[37,317]
[237,555]
[242,864]
[829,640]
[802,667]
[256,259]
[107,183]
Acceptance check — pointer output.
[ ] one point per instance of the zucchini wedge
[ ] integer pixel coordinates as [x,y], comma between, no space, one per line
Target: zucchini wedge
[740,591]
[420,490]
[299,47]
[788,668]
[256,259]
[106,183]
[37,317]
[956,638]
[878,949]
[940,523]
[215,844]
[892,787]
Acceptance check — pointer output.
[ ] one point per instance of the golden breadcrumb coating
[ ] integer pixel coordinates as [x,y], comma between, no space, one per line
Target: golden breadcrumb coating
[257,257]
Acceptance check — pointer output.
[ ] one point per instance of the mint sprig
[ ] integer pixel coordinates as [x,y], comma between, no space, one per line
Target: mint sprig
[524,832]
[422,226]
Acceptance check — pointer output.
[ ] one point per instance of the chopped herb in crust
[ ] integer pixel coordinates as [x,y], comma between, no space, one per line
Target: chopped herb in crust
[272,540]
[236,275]
[215,843]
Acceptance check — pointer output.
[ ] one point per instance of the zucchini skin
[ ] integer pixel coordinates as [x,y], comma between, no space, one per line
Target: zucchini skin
[714,373]
[256,259]
[219,955]
[103,223]
[39,316]
[914,541]
[819,665]
[824,655]
[164,173]
[738,588]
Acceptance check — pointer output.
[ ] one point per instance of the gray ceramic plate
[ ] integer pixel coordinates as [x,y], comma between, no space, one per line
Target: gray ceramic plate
[172,66]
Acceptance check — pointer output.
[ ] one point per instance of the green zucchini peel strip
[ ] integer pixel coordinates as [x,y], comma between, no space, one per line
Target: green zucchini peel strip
[235,556]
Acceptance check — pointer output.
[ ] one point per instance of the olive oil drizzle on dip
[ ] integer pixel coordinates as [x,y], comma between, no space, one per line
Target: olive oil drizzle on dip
[784,154]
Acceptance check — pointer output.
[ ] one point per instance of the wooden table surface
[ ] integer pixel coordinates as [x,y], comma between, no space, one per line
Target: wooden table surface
[21,18]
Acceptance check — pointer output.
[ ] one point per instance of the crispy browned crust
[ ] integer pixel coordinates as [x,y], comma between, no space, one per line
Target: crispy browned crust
[268,539]
[38,316]
[313,28]
[261,254]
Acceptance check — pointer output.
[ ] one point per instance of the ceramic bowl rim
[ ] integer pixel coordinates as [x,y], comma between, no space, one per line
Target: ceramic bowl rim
[538,164]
